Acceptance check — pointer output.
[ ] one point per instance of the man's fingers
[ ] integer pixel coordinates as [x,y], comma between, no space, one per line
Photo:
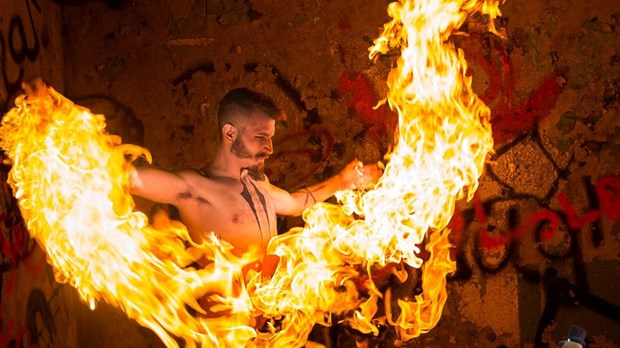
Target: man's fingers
[373,169]
[370,174]
[357,175]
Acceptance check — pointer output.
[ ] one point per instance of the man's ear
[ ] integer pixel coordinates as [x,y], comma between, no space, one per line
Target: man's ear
[229,132]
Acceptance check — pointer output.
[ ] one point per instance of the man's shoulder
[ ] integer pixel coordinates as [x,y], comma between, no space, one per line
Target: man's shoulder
[204,179]
[263,181]
[193,176]
[188,172]
[271,188]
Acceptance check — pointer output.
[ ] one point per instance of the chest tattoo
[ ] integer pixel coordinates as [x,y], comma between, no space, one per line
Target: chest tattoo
[247,193]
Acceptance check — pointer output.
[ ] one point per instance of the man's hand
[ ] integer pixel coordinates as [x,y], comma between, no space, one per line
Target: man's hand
[357,175]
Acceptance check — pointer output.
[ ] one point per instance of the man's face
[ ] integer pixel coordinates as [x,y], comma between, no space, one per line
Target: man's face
[253,144]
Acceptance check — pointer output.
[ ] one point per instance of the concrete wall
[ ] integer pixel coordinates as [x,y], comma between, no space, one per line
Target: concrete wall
[30,45]
[537,249]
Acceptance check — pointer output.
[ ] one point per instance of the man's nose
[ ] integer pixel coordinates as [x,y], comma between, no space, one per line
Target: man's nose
[269,147]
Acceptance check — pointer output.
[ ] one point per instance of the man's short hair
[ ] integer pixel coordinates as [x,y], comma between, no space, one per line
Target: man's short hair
[240,102]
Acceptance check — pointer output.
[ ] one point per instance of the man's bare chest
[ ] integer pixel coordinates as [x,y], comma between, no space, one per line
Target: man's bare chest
[232,205]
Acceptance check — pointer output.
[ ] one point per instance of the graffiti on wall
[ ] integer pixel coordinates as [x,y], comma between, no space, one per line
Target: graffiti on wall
[504,227]
[495,247]
[511,115]
[18,250]
[19,44]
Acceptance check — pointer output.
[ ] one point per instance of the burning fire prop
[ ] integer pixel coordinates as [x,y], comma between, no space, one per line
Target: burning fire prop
[70,178]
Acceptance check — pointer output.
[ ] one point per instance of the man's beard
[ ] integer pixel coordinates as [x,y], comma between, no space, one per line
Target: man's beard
[256,172]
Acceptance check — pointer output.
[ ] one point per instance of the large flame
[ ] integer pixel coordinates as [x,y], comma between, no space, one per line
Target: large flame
[441,146]
[69,176]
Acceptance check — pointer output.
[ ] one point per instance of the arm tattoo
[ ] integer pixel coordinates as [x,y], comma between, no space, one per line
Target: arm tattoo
[309,194]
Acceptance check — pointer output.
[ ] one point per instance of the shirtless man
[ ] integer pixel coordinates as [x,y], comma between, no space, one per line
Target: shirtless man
[231,196]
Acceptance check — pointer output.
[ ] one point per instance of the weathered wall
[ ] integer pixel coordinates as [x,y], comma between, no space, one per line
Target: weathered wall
[538,249]
[30,45]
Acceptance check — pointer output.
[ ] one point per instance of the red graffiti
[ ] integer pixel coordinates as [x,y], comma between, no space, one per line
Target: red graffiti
[510,117]
[608,194]
[15,248]
[508,122]
[608,191]
[490,242]
[361,100]
[21,334]
[575,221]
[15,242]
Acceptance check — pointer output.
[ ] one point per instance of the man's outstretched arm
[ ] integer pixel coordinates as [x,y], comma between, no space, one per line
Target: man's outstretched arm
[157,185]
[353,176]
